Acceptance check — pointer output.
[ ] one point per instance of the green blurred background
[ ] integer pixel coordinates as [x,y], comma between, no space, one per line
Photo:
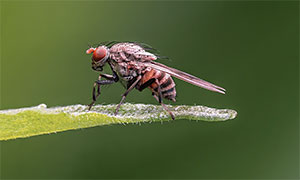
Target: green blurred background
[250,48]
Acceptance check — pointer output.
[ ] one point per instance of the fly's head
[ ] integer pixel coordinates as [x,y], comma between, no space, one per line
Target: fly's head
[99,58]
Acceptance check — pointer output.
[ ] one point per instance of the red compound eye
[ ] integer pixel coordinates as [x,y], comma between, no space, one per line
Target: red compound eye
[99,53]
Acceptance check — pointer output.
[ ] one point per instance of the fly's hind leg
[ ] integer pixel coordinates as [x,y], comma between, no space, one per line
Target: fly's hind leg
[159,99]
[164,106]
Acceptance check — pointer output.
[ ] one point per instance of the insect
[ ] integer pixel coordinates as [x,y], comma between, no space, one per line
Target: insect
[134,65]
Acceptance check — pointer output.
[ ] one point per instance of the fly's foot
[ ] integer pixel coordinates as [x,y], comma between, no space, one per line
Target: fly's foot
[90,106]
[172,115]
[117,109]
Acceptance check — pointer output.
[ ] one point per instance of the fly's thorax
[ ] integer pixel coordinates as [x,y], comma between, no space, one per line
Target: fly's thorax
[125,70]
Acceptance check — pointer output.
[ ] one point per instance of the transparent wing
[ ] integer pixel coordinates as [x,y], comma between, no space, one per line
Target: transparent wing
[185,77]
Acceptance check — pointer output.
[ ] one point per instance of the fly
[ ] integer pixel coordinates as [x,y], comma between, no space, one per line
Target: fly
[135,64]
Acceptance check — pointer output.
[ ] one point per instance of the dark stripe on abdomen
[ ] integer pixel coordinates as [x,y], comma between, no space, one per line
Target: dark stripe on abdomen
[166,83]
[168,91]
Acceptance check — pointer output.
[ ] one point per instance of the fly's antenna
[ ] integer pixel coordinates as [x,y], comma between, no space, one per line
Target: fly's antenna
[90,49]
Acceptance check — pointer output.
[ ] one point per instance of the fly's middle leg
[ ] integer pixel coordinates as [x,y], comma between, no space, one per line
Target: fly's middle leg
[126,93]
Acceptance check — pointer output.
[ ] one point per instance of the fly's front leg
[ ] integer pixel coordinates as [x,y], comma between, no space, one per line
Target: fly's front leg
[126,92]
[98,89]
[110,79]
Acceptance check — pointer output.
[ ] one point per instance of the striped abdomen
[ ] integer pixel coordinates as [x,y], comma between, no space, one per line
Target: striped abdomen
[165,81]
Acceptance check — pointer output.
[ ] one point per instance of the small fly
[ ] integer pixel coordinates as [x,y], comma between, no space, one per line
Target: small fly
[134,64]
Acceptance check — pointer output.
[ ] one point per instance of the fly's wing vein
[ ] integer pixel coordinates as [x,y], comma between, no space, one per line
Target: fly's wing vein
[185,77]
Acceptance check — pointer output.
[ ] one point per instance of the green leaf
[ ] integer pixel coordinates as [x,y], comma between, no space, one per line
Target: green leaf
[32,121]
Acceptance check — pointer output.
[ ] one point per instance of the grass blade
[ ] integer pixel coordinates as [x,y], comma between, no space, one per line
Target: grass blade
[37,120]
